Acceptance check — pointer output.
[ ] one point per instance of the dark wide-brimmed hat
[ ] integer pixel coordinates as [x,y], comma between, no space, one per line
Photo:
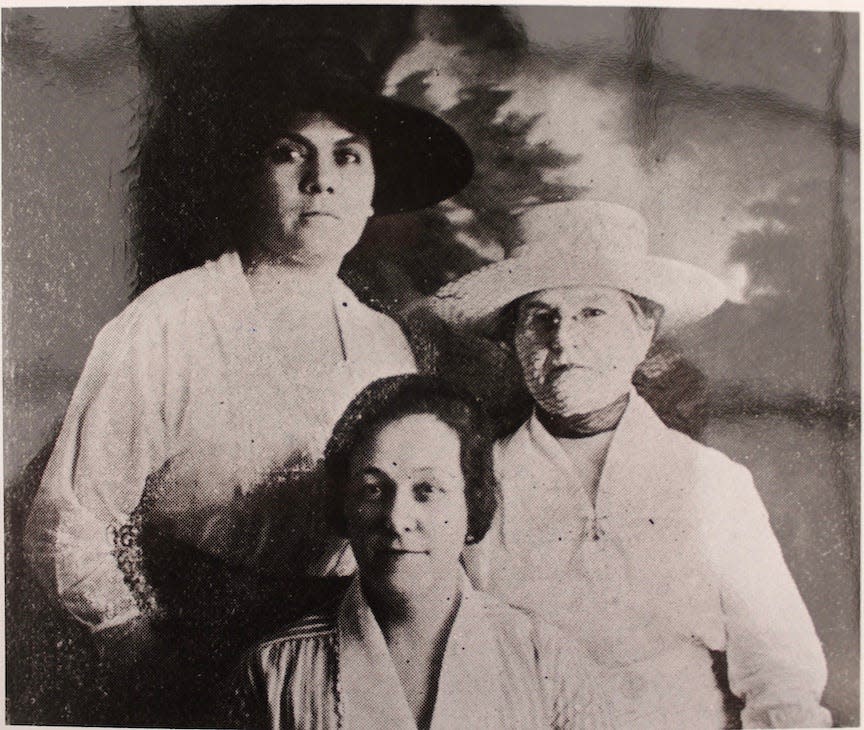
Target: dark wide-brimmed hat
[419,159]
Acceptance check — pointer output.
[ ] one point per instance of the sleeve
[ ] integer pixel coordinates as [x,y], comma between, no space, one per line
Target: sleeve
[249,699]
[398,355]
[113,437]
[775,660]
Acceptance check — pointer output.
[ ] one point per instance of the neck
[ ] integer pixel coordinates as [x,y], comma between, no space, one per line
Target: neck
[424,618]
[275,274]
[582,425]
[258,259]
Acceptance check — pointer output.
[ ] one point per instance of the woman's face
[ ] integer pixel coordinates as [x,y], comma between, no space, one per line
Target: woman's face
[579,347]
[318,183]
[405,507]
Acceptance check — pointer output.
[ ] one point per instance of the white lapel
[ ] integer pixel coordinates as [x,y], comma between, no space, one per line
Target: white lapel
[470,688]
[243,334]
[534,471]
[260,383]
[639,464]
[353,318]
[231,310]
[371,694]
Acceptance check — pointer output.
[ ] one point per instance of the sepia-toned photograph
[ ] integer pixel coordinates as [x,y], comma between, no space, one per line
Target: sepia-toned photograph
[431,367]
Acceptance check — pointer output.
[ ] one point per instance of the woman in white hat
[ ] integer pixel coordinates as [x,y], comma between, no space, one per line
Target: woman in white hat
[652,549]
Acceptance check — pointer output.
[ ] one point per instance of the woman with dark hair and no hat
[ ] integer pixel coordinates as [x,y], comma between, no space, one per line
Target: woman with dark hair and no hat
[411,644]
[186,466]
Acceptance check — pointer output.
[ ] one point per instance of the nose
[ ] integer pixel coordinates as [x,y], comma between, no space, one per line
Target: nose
[318,178]
[568,334]
[402,515]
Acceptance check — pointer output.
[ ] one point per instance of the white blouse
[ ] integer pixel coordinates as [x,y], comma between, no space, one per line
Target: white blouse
[500,670]
[676,558]
[189,389]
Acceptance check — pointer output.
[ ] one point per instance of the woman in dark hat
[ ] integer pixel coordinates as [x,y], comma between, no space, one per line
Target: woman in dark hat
[185,469]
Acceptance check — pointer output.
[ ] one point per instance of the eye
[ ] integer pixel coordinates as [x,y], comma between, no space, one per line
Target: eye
[543,319]
[423,491]
[372,492]
[590,312]
[286,151]
[368,489]
[348,156]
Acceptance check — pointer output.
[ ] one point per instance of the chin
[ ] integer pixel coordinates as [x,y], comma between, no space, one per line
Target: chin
[566,405]
[325,236]
[402,587]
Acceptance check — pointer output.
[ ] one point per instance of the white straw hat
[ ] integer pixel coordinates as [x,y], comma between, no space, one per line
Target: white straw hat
[581,243]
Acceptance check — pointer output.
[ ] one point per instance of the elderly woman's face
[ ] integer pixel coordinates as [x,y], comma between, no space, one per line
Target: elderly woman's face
[405,509]
[579,347]
[317,189]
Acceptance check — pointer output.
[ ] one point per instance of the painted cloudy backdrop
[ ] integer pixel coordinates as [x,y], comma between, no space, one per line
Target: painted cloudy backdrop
[735,132]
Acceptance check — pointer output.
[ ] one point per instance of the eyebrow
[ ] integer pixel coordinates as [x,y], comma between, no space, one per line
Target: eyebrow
[424,470]
[593,299]
[537,305]
[375,471]
[353,139]
[371,470]
[306,142]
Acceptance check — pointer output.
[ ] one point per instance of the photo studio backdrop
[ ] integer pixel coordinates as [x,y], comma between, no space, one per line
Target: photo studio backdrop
[735,132]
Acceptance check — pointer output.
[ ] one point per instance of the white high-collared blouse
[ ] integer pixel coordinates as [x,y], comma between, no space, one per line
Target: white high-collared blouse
[501,670]
[189,390]
[677,558]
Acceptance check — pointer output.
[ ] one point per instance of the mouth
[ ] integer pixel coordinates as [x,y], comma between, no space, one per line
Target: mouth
[556,370]
[312,214]
[400,552]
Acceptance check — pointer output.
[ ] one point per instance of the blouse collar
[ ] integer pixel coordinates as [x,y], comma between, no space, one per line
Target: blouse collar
[230,267]
[629,477]
[233,291]
[371,692]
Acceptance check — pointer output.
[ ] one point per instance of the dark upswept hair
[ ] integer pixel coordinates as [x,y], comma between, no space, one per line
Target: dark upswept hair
[213,105]
[388,399]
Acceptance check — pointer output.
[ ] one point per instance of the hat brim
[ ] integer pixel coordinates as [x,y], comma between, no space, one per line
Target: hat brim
[419,159]
[687,293]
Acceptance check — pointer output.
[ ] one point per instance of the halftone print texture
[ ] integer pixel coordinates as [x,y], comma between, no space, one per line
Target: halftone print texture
[175,360]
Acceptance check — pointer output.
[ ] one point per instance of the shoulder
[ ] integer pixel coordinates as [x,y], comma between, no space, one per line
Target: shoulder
[376,339]
[512,448]
[708,467]
[311,626]
[716,475]
[506,619]
[172,305]
[706,459]
[719,493]
[382,325]
[549,648]
[314,628]
[178,291]
[519,627]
